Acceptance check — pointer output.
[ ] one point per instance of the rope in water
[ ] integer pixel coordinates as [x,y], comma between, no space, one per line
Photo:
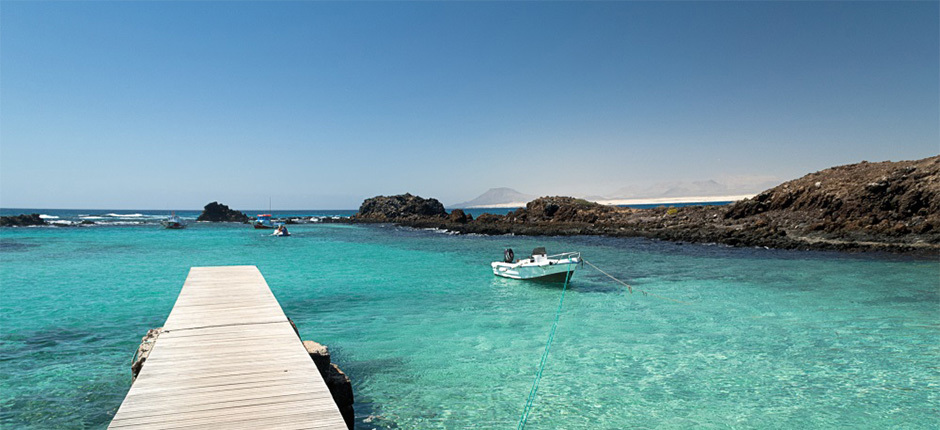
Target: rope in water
[548,345]
[631,288]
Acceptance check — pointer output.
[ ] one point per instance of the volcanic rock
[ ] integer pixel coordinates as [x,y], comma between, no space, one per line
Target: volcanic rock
[217,212]
[21,220]
[400,207]
[336,380]
[458,216]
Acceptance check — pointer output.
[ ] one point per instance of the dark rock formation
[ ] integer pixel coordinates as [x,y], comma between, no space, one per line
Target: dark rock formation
[320,355]
[400,207]
[561,209]
[339,384]
[864,200]
[21,220]
[887,206]
[458,216]
[217,212]
[341,389]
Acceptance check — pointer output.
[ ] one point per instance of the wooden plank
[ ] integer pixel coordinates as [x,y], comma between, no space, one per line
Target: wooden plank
[228,358]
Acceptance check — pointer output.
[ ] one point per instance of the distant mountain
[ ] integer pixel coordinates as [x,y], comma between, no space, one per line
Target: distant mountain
[496,197]
[686,189]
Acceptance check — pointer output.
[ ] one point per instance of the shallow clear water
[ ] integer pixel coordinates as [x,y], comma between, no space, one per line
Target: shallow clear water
[431,339]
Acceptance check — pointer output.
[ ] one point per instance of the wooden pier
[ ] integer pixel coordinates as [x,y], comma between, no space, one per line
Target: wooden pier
[228,358]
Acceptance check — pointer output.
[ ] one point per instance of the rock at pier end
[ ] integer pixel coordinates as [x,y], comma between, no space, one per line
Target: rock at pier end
[336,380]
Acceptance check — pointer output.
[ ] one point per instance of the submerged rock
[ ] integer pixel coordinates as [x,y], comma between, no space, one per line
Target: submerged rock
[21,220]
[217,212]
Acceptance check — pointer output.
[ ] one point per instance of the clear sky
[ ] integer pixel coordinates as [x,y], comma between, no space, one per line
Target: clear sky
[159,105]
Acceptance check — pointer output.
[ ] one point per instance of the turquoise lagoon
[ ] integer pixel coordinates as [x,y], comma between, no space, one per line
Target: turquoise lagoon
[431,339]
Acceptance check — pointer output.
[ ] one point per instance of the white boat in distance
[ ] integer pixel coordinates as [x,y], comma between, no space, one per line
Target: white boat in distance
[173,222]
[539,266]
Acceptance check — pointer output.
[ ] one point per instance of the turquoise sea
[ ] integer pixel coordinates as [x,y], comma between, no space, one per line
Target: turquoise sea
[431,339]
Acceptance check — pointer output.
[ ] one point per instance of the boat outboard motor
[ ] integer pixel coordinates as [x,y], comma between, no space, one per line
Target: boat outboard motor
[508,256]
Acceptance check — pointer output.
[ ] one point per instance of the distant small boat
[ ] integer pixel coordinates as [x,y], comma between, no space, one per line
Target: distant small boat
[538,266]
[264,221]
[173,222]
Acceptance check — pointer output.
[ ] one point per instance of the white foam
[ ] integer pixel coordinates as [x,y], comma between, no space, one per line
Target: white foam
[44,216]
[125,215]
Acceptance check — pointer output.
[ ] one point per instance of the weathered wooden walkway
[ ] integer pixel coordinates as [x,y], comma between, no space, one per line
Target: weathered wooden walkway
[228,358]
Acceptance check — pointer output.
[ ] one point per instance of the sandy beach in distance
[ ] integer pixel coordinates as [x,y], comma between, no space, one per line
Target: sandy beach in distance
[674,200]
[639,201]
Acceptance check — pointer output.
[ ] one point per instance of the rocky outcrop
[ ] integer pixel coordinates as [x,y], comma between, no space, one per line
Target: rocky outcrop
[886,206]
[217,212]
[400,207]
[21,220]
[862,200]
[339,384]
[562,209]
[458,216]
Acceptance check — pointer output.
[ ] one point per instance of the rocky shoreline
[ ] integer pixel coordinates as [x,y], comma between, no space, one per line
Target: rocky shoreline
[886,206]
[21,220]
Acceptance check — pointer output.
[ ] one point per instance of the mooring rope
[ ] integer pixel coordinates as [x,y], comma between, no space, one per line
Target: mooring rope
[645,293]
[548,345]
[610,276]
[551,336]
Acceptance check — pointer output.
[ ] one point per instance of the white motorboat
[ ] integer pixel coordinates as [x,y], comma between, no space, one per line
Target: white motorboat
[173,222]
[539,266]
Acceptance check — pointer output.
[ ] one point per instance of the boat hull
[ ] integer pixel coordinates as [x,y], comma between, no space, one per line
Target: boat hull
[543,272]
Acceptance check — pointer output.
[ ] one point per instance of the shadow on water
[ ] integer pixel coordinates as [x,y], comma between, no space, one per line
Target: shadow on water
[326,304]
[8,245]
[48,343]
[580,286]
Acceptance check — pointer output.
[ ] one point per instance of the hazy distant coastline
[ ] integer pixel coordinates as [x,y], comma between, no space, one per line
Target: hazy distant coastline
[628,202]
[676,192]
[886,206]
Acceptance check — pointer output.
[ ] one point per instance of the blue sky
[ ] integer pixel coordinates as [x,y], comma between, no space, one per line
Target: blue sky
[318,104]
